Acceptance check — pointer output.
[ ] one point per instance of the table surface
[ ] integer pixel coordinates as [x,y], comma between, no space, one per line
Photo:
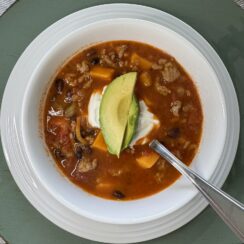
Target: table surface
[221,22]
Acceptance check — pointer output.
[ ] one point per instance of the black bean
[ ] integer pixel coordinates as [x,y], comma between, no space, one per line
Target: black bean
[58,153]
[88,132]
[83,133]
[174,132]
[84,149]
[118,194]
[68,97]
[59,83]
[95,60]
[78,152]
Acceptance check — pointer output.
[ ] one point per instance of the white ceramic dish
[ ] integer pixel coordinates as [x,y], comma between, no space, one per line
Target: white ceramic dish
[214,130]
[61,201]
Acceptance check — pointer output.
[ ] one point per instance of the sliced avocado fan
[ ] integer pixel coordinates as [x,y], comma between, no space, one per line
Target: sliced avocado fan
[132,122]
[114,111]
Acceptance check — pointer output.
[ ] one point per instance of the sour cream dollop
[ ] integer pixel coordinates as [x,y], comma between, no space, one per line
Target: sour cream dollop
[146,121]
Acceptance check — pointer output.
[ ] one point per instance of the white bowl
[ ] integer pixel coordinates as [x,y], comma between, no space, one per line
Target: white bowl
[214,129]
[35,172]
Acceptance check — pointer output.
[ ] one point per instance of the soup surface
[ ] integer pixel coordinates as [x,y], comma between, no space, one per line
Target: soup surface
[162,87]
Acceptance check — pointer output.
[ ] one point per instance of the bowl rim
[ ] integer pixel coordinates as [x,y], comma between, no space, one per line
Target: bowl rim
[63,200]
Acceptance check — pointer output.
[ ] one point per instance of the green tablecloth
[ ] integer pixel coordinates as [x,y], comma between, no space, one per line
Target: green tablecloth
[221,22]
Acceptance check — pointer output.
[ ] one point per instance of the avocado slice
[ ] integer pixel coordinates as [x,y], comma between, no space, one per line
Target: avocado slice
[114,110]
[132,122]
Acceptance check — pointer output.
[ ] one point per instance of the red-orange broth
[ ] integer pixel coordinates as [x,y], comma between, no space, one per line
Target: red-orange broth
[167,90]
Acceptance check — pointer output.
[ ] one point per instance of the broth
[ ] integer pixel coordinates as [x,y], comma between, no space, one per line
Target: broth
[169,94]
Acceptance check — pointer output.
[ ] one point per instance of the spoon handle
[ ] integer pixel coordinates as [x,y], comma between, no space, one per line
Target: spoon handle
[229,209]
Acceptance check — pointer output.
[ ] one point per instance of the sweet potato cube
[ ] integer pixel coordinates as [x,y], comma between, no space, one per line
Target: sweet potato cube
[102,73]
[99,142]
[104,186]
[142,62]
[148,160]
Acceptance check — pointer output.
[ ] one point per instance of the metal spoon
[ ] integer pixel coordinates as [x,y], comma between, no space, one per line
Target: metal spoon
[229,209]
